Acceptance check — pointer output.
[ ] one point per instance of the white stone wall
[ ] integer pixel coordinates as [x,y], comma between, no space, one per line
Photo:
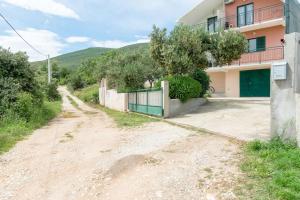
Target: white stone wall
[112,99]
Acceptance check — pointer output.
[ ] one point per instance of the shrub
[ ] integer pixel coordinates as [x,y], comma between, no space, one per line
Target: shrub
[51,92]
[182,87]
[9,90]
[202,77]
[89,94]
[76,82]
[24,105]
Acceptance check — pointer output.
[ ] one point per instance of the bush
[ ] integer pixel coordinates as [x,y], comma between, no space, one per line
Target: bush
[182,87]
[51,92]
[202,77]
[24,105]
[9,90]
[89,94]
[76,82]
[13,128]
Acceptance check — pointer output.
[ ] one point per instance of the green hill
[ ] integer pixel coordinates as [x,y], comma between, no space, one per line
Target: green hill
[74,59]
[135,47]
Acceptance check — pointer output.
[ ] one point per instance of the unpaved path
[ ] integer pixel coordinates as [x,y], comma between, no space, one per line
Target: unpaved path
[82,155]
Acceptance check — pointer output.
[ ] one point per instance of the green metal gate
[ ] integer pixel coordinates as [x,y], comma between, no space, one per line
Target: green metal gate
[255,83]
[148,102]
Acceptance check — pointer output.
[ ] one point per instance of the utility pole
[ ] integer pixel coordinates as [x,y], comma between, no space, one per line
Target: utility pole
[49,70]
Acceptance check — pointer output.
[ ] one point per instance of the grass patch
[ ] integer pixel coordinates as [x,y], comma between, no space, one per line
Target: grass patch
[127,120]
[74,103]
[273,170]
[122,119]
[88,94]
[13,129]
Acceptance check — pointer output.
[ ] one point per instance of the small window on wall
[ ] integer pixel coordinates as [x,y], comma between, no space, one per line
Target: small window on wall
[257,44]
[212,24]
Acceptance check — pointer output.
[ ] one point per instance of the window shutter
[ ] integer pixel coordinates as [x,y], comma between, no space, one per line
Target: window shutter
[261,43]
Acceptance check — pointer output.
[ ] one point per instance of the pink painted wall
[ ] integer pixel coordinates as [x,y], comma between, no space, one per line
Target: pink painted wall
[264,10]
[231,9]
[218,81]
[232,82]
[273,35]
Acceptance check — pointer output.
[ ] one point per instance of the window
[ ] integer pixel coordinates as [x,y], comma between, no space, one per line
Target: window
[245,15]
[257,44]
[212,24]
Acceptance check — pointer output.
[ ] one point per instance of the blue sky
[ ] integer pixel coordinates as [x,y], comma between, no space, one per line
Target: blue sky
[59,26]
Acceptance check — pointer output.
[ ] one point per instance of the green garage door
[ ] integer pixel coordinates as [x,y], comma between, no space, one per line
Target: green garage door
[255,83]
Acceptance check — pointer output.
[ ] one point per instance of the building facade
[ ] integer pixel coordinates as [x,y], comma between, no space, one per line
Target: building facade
[263,24]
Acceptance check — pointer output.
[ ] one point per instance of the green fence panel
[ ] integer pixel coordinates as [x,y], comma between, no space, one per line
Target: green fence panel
[146,101]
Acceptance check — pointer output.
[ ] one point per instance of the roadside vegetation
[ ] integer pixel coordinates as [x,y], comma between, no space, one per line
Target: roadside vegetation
[273,170]
[90,95]
[180,56]
[127,120]
[27,102]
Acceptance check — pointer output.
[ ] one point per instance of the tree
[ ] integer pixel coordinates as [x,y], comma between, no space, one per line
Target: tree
[104,62]
[55,71]
[130,70]
[182,51]
[16,76]
[187,48]
[76,82]
[126,73]
[158,41]
[87,71]
[151,70]
[16,67]
[227,46]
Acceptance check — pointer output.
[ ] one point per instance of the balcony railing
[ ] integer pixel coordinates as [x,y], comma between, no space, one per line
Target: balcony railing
[270,54]
[256,16]
[249,18]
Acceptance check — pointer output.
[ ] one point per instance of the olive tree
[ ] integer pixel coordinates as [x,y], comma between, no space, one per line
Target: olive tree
[187,48]
[227,46]
[130,70]
[182,51]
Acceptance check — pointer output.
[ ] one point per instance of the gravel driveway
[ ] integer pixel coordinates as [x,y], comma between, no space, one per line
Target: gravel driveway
[82,155]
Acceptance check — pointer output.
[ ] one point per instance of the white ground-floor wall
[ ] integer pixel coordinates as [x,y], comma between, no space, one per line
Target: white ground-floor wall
[226,80]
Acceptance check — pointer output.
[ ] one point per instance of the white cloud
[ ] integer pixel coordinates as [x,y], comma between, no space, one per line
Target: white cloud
[141,37]
[117,43]
[45,41]
[77,39]
[45,6]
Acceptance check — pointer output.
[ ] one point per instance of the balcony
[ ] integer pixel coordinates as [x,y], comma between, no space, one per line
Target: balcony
[254,59]
[252,20]
[259,16]
[269,55]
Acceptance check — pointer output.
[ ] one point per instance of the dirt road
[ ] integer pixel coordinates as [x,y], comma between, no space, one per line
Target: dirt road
[82,155]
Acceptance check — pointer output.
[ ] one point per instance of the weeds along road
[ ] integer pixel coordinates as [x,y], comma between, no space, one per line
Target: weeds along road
[83,155]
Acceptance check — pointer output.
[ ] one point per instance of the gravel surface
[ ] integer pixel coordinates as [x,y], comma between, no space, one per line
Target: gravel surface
[83,155]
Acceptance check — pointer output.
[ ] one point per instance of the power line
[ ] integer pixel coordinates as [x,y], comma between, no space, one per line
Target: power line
[11,26]
[31,46]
